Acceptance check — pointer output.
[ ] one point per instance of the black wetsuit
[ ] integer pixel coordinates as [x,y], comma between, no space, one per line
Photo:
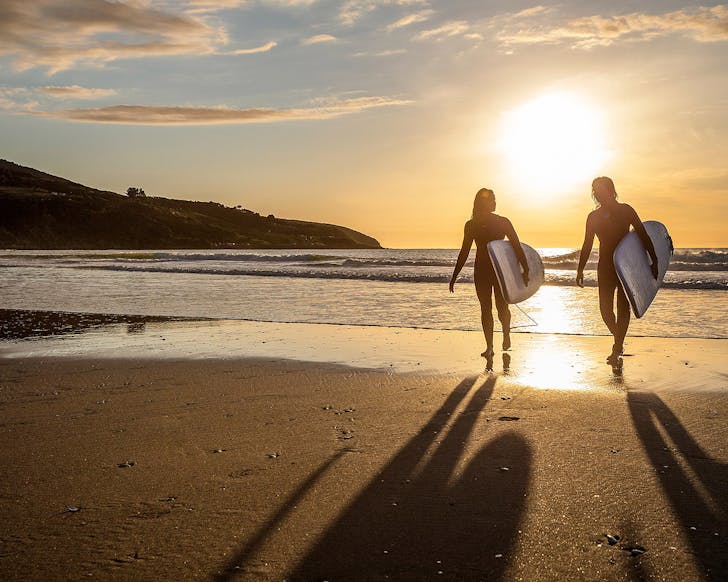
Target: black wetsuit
[486,284]
[610,224]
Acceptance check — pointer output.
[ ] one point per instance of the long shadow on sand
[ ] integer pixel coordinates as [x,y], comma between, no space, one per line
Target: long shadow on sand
[418,518]
[700,500]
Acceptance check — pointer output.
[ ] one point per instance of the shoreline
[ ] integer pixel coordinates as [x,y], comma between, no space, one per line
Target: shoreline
[539,360]
[19,324]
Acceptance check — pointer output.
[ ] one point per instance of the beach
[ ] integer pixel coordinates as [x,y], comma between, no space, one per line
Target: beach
[249,255]
[270,451]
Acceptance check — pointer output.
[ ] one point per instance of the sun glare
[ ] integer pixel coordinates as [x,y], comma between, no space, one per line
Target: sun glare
[553,142]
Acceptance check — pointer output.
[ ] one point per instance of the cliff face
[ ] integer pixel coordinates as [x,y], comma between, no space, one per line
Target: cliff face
[41,211]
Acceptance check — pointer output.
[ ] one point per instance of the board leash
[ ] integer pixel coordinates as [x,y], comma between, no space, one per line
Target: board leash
[533,323]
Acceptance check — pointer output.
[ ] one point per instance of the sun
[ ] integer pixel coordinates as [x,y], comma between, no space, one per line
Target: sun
[553,142]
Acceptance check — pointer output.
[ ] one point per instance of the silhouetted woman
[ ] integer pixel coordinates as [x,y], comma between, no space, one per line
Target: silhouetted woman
[610,222]
[482,228]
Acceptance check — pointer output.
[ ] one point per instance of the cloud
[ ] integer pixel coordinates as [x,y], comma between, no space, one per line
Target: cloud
[384,53]
[166,115]
[201,6]
[60,34]
[291,2]
[16,99]
[447,30]
[353,10]
[702,24]
[413,18]
[533,11]
[26,99]
[75,92]
[258,49]
[318,39]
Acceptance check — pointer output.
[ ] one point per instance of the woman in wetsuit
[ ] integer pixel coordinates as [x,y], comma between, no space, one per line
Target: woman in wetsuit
[610,222]
[482,228]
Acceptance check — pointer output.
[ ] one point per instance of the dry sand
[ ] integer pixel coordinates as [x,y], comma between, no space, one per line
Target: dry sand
[159,467]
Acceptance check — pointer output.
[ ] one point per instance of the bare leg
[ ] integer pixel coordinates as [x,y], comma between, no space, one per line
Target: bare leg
[623,316]
[504,316]
[484,289]
[617,324]
[486,319]
[606,306]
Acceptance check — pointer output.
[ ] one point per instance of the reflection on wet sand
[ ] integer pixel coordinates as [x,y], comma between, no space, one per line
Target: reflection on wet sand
[544,361]
[617,367]
[506,359]
[506,363]
[18,324]
[546,364]
[136,327]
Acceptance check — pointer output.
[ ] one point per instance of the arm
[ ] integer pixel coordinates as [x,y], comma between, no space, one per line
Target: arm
[463,256]
[516,244]
[586,248]
[646,240]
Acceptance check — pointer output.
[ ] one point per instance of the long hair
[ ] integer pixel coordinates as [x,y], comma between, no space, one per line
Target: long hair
[606,184]
[483,204]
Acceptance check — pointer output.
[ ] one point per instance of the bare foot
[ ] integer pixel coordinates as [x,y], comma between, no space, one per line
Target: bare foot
[488,355]
[615,355]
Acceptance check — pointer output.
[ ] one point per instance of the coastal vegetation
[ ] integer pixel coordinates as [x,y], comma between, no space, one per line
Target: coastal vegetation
[42,211]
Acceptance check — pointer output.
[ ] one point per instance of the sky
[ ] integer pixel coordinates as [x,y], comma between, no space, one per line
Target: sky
[382,115]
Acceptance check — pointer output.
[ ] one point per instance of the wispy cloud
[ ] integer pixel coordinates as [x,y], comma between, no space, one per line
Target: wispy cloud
[28,99]
[18,99]
[60,34]
[202,6]
[384,53]
[160,115]
[264,48]
[410,19]
[318,39]
[533,11]
[213,4]
[75,92]
[353,10]
[291,2]
[702,24]
[448,30]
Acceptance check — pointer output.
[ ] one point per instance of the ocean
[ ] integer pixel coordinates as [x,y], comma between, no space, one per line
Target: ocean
[404,288]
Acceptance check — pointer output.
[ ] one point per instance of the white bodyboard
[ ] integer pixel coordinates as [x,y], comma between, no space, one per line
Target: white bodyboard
[508,270]
[632,264]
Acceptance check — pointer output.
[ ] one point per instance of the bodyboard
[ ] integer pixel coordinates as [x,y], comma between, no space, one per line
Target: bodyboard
[632,264]
[508,270]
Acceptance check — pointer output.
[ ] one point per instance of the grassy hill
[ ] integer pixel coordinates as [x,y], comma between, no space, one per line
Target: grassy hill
[41,211]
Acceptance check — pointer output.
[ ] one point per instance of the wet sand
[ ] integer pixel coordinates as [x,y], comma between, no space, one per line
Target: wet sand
[129,455]
[20,324]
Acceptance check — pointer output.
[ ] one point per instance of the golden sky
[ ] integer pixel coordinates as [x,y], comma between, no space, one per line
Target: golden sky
[382,115]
